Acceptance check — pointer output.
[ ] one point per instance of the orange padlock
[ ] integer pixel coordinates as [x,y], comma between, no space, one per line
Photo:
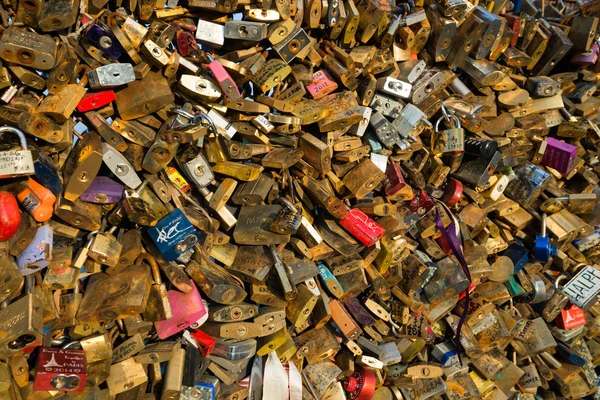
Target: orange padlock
[38,201]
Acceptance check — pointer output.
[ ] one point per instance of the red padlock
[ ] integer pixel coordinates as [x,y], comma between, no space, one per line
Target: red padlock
[10,216]
[395,181]
[452,192]
[93,101]
[360,385]
[571,318]
[422,203]
[183,39]
[362,227]
[60,369]
[205,343]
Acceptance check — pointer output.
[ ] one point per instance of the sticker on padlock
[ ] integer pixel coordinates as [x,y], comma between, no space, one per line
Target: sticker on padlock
[61,370]
[174,235]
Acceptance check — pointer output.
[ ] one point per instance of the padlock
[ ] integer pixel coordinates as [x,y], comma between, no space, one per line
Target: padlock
[10,218]
[126,296]
[38,201]
[22,323]
[287,219]
[105,248]
[158,307]
[16,162]
[174,235]
[188,311]
[450,140]
[28,48]
[60,370]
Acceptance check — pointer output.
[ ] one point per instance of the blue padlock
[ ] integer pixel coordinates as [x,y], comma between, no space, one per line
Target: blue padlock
[47,174]
[518,254]
[102,37]
[174,235]
[543,248]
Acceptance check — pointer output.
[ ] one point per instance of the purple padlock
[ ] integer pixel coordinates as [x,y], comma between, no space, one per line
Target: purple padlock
[586,57]
[103,190]
[559,155]
[102,37]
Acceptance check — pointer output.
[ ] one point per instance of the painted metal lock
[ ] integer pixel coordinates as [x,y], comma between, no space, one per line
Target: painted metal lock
[103,190]
[322,84]
[103,38]
[543,248]
[518,254]
[559,155]
[93,101]
[10,216]
[583,288]
[188,311]
[46,172]
[174,235]
[38,254]
[62,370]
[37,200]
[571,318]
[541,86]
[361,384]
[362,227]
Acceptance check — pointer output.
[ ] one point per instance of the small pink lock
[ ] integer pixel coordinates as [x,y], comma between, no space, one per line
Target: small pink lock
[225,80]
[322,85]
[188,309]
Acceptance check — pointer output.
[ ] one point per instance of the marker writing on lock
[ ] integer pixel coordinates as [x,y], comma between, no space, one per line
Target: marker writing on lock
[584,286]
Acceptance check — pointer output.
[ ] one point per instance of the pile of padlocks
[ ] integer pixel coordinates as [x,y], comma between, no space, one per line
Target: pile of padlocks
[299,199]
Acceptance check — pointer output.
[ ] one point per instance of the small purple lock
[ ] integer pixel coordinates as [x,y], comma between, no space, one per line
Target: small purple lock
[559,155]
[103,190]
[103,39]
[586,57]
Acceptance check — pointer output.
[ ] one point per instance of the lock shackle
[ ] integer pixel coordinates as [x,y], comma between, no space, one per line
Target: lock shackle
[73,344]
[544,224]
[29,283]
[18,132]
[449,118]
[153,266]
[286,202]
[558,280]
[112,18]
[195,119]
[90,236]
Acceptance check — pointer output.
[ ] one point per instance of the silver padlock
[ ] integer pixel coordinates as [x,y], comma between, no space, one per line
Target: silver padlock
[110,76]
[15,163]
[119,165]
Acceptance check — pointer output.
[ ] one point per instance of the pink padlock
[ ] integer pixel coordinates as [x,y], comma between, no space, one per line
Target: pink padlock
[227,84]
[188,309]
[322,84]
